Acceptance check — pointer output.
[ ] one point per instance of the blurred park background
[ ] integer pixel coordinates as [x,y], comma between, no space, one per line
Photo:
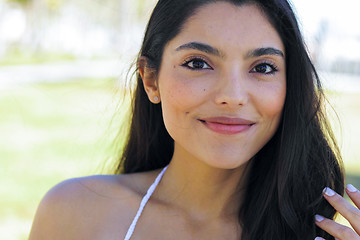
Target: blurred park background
[63,65]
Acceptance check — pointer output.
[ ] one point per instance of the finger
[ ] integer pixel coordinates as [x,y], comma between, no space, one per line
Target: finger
[335,229]
[354,194]
[346,209]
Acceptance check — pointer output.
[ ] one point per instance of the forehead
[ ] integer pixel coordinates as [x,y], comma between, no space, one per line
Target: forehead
[229,26]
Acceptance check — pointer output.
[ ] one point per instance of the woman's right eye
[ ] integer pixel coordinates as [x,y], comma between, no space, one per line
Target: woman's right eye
[196,64]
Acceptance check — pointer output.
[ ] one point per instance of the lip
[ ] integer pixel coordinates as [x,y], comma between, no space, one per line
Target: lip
[226,125]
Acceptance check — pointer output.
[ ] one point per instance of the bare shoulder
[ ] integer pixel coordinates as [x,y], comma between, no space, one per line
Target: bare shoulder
[94,207]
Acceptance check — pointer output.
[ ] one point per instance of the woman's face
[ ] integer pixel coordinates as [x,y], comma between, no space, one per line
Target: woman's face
[222,85]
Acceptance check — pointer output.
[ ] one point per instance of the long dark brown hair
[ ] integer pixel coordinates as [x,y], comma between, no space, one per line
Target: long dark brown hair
[288,174]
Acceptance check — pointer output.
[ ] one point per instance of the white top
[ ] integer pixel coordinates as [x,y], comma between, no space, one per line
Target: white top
[143,203]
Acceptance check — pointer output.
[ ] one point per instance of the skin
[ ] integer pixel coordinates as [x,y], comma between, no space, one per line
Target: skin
[196,198]
[227,85]
[349,211]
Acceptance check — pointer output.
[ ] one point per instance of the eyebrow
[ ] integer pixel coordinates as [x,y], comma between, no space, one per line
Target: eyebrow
[201,47]
[264,51]
[258,52]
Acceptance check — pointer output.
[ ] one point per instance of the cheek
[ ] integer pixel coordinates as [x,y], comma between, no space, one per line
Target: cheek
[272,100]
[175,96]
[181,93]
[180,100]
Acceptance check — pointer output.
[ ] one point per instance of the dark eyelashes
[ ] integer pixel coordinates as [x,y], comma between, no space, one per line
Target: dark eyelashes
[271,65]
[263,68]
[199,64]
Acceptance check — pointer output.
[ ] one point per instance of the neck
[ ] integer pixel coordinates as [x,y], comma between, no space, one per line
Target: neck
[201,191]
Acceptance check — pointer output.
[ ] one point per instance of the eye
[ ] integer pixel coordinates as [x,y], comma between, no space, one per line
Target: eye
[264,68]
[196,64]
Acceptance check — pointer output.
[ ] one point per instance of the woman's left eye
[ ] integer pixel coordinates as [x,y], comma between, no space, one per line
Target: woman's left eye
[264,68]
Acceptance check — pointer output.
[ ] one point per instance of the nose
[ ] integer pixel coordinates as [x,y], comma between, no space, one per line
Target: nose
[232,90]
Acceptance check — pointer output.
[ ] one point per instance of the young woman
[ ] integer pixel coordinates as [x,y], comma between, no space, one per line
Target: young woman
[228,139]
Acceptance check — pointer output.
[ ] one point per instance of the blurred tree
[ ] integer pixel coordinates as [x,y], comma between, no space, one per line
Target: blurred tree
[23,2]
[54,5]
[114,20]
[38,15]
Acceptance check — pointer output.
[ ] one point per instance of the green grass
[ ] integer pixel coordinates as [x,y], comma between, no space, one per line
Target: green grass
[20,57]
[51,132]
[347,106]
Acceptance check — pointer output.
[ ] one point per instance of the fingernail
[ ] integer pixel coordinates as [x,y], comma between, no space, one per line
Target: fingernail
[318,238]
[319,218]
[329,192]
[351,188]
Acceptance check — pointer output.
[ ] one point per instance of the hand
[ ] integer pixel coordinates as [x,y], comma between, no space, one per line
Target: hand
[347,210]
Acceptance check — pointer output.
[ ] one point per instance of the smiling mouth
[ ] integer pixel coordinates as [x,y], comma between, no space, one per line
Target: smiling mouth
[227,126]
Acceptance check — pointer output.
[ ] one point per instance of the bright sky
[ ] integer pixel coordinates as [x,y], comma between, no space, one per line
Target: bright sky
[343,16]
[342,36]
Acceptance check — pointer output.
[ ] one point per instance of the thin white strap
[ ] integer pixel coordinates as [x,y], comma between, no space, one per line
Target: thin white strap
[143,203]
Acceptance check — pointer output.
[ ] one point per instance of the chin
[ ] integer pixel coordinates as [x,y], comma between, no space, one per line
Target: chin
[227,163]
